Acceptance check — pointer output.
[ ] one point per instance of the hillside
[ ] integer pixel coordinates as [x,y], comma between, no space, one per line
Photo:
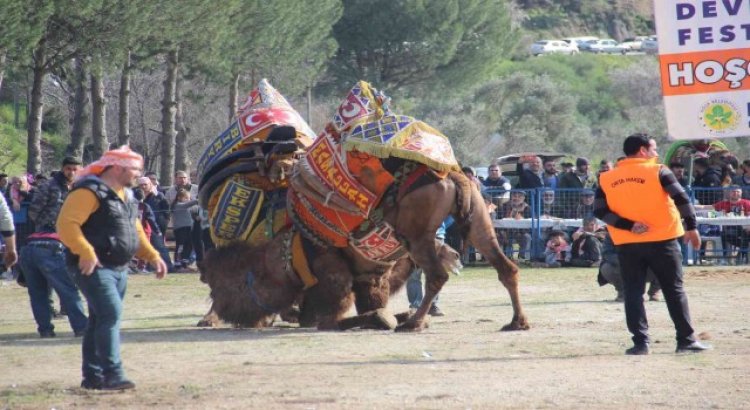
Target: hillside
[617,19]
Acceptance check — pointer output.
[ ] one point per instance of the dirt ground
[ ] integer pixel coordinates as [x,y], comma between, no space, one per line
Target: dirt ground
[571,358]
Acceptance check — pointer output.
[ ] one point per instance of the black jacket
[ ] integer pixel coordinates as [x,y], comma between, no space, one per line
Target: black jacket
[111,229]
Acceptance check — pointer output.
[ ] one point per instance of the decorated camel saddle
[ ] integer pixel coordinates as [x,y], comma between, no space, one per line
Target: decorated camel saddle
[367,155]
[267,171]
[243,172]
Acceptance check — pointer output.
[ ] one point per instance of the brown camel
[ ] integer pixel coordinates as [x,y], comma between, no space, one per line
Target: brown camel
[249,285]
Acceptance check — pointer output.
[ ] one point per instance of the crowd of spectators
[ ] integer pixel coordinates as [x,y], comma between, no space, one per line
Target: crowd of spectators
[566,191]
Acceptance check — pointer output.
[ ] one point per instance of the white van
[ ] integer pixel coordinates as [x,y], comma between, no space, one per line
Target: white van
[579,40]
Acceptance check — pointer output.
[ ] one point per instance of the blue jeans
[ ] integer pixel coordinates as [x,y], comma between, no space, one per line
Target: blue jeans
[43,265]
[414,289]
[157,241]
[104,290]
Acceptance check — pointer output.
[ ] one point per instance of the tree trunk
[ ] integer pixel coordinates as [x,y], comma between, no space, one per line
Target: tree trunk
[182,162]
[98,113]
[34,134]
[2,67]
[81,114]
[124,110]
[233,92]
[168,111]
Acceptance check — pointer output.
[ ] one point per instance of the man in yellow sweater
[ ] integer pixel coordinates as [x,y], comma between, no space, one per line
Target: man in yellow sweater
[643,205]
[99,225]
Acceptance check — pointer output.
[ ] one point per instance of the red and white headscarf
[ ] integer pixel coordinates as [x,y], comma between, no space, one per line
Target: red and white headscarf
[123,156]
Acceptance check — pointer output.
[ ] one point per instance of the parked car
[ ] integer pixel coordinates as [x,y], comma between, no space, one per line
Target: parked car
[650,45]
[553,46]
[604,46]
[579,40]
[633,43]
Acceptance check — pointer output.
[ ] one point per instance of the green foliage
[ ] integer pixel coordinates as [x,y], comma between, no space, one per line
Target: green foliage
[418,43]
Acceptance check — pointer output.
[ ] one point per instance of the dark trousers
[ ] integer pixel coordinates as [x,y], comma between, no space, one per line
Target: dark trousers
[665,260]
[196,236]
[183,245]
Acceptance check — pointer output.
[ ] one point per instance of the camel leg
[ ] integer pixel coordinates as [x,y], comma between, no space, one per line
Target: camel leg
[210,319]
[425,253]
[482,236]
[332,296]
[378,319]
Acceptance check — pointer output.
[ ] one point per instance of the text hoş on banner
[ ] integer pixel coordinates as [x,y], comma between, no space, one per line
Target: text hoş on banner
[704,55]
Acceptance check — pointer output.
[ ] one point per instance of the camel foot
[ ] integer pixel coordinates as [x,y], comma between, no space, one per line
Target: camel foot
[205,323]
[516,324]
[412,325]
[379,319]
[403,316]
[291,315]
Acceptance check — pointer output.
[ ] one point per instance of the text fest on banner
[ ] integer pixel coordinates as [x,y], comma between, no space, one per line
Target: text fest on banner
[704,51]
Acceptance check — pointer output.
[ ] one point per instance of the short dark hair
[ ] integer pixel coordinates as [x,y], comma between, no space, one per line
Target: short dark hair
[746,162]
[149,173]
[701,162]
[3,175]
[633,143]
[71,161]
[676,164]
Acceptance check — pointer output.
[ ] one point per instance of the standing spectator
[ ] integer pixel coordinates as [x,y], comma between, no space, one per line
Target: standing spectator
[4,186]
[98,208]
[531,175]
[567,167]
[743,179]
[497,185]
[182,224]
[707,181]
[472,175]
[8,233]
[604,166]
[181,181]
[679,173]
[148,222]
[577,180]
[550,173]
[43,259]
[738,236]
[201,232]
[151,175]
[160,207]
[580,178]
[645,233]
[21,193]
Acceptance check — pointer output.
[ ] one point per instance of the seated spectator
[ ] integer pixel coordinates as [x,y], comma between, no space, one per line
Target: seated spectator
[730,234]
[586,248]
[609,272]
[557,249]
[585,206]
[497,185]
[549,206]
[516,208]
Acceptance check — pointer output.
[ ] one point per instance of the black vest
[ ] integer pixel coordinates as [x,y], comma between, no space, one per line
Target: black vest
[111,229]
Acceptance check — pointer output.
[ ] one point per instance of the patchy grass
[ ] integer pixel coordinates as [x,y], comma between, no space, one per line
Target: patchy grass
[571,358]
